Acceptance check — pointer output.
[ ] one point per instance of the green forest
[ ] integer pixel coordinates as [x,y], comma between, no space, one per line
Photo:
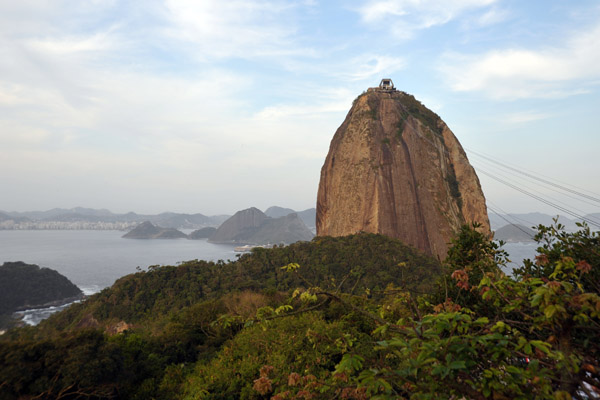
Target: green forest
[356,317]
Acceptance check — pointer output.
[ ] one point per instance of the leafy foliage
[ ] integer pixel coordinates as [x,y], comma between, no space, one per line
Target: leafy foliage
[530,337]
[181,315]
[582,246]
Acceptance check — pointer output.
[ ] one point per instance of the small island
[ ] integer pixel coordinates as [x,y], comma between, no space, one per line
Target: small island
[147,230]
[25,286]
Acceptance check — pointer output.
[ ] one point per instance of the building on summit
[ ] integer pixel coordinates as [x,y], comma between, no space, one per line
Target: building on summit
[386,84]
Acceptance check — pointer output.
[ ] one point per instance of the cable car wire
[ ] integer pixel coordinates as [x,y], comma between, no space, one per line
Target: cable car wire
[545,201]
[550,198]
[549,187]
[538,178]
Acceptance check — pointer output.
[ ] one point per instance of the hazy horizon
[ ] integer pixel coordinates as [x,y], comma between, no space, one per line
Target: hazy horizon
[152,213]
[552,214]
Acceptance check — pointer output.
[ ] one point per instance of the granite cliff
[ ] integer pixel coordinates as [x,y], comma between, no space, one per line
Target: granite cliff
[395,168]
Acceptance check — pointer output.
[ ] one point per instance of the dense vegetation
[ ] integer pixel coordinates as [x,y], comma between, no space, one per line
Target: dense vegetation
[353,318]
[26,285]
[172,311]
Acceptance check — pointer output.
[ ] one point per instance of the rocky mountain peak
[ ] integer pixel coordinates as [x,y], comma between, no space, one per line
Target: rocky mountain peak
[395,168]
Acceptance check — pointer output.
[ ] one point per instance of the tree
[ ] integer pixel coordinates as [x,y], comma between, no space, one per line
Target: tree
[494,336]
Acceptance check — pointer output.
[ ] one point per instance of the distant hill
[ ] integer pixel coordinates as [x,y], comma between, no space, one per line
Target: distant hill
[593,217]
[288,229]
[276,212]
[252,226]
[24,286]
[55,212]
[514,233]
[95,218]
[180,221]
[8,217]
[308,216]
[75,217]
[203,233]
[147,230]
[240,227]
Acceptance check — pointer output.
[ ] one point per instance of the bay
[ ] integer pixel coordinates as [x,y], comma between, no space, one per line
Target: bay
[93,260]
[517,252]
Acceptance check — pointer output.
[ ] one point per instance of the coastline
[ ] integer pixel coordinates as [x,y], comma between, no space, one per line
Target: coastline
[33,315]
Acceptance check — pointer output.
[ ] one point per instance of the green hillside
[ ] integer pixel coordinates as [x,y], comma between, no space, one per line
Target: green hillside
[355,317]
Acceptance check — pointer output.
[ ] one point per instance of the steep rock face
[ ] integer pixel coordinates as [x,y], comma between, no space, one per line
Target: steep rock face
[395,168]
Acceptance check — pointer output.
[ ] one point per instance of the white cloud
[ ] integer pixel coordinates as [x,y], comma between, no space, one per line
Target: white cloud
[404,17]
[524,117]
[237,28]
[346,69]
[528,73]
[10,94]
[97,42]
[492,16]
[368,66]
[279,112]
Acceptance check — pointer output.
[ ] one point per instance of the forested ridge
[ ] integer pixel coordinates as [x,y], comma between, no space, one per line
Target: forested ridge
[355,317]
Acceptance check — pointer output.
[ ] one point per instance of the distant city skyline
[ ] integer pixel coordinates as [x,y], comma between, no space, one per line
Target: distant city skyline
[212,107]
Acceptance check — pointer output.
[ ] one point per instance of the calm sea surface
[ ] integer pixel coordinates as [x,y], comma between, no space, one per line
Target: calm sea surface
[517,252]
[93,260]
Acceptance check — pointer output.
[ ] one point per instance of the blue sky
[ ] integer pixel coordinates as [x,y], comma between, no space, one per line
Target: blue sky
[215,106]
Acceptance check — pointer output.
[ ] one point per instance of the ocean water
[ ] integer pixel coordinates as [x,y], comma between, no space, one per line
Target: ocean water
[517,252]
[93,260]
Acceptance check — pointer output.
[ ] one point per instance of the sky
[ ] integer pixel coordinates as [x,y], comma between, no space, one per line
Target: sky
[212,106]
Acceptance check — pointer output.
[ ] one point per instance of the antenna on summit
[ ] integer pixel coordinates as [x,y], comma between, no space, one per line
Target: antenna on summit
[386,84]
